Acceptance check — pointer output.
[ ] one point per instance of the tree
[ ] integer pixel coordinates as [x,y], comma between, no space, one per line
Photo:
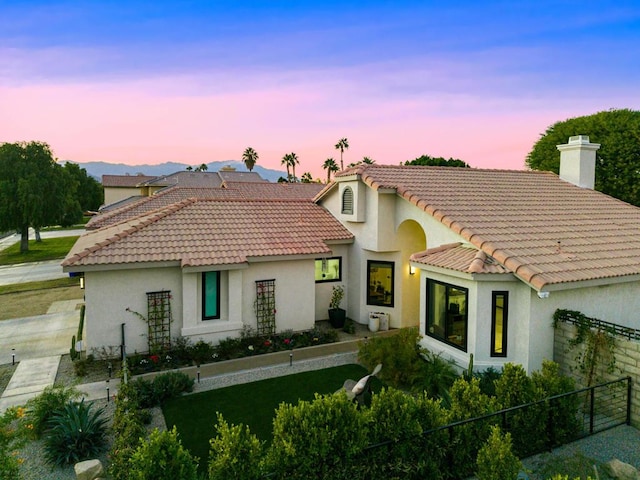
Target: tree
[189,168]
[88,191]
[306,178]
[293,158]
[250,158]
[342,145]
[617,159]
[330,166]
[365,160]
[287,163]
[202,168]
[437,162]
[34,190]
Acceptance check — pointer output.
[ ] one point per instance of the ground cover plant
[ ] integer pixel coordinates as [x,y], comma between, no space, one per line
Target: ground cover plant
[252,404]
[47,249]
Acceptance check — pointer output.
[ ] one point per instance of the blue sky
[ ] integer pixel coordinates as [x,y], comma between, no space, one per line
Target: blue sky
[197,81]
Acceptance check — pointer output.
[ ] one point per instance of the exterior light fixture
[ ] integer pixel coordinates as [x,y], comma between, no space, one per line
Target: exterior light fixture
[82,282]
[412,270]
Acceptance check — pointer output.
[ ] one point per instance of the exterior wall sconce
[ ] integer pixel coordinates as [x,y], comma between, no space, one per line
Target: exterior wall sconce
[412,270]
[82,282]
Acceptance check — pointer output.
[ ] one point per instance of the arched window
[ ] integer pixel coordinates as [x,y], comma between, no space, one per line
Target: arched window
[347,201]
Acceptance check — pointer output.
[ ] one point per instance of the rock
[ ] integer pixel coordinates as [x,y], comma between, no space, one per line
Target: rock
[88,470]
[622,471]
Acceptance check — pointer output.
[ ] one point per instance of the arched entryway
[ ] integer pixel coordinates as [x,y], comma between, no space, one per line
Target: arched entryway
[411,239]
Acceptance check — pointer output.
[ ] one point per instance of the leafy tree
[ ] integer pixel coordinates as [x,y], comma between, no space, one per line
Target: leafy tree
[250,158]
[617,132]
[162,457]
[202,168]
[189,168]
[306,178]
[88,191]
[342,145]
[427,160]
[35,191]
[330,166]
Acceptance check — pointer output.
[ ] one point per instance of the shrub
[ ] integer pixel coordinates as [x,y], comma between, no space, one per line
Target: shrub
[437,377]
[10,439]
[202,352]
[75,433]
[162,457]
[235,453]
[496,460]
[128,430]
[398,354]
[171,384]
[487,380]
[40,408]
[314,439]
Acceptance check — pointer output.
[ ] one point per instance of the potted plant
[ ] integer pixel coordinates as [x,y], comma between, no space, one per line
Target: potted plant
[337,315]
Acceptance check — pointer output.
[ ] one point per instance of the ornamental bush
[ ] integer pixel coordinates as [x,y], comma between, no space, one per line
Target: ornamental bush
[162,457]
[75,433]
[11,438]
[496,460]
[316,439]
[235,453]
[40,408]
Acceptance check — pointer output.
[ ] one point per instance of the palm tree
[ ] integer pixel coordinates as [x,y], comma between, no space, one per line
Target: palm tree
[293,158]
[330,166]
[250,157]
[342,145]
[286,162]
[306,177]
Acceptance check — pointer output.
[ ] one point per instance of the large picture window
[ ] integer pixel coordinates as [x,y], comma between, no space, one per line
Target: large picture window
[447,313]
[380,281]
[499,314]
[329,269]
[210,295]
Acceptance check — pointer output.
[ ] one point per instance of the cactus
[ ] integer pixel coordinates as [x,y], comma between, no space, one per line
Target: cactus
[72,351]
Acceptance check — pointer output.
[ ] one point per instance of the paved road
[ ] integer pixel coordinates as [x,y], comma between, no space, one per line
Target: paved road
[36,271]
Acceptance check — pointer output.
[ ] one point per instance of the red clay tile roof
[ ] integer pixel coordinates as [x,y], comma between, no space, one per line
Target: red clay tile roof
[456,256]
[163,198]
[124,180]
[545,230]
[276,191]
[236,176]
[203,232]
[186,179]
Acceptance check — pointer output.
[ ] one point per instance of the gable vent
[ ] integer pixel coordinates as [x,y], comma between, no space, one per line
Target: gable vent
[347,201]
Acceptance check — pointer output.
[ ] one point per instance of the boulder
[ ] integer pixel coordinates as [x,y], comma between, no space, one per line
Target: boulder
[88,470]
[622,471]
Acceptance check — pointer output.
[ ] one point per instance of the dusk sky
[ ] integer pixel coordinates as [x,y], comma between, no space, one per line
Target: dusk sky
[199,81]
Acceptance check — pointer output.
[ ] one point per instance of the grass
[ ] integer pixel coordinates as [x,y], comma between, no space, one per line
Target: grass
[252,404]
[47,249]
[576,465]
[35,298]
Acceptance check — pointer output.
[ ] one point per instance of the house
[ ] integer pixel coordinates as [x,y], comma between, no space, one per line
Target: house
[121,187]
[478,259]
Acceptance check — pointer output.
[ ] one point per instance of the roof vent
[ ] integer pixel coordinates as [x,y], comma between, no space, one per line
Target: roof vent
[578,161]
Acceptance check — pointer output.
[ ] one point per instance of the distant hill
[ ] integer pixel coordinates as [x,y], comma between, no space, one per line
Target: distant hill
[97,169]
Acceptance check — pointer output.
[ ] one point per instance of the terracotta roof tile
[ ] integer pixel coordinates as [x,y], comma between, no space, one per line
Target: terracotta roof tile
[203,232]
[545,230]
[124,180]
[456,256]
[276,191]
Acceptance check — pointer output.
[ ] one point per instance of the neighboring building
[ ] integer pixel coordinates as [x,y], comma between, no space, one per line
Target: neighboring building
[478,259]
[121,187]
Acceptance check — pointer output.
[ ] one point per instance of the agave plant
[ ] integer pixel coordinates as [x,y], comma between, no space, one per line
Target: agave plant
[76,433]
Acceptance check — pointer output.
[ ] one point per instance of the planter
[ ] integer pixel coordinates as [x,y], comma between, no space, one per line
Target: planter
[337,317]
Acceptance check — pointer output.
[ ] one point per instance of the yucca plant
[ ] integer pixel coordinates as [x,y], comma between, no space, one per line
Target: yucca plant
[75,433]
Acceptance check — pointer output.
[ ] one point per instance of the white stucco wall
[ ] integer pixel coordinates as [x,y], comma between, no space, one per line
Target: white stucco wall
[323,289]
[109,294]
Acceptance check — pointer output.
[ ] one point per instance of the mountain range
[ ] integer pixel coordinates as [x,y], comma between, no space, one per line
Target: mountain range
[97,169]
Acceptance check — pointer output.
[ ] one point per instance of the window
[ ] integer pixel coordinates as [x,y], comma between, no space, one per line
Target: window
[347,201]
[210,295]
[380,282]
[447,313]
[328,269]
[499,314]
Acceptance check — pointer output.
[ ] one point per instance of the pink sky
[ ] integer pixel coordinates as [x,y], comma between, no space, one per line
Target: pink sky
[157,82]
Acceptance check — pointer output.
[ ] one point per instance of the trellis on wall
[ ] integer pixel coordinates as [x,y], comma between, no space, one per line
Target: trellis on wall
[159,321]
[265,306]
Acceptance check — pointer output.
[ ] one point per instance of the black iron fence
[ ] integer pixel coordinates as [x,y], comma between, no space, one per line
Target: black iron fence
[449,451]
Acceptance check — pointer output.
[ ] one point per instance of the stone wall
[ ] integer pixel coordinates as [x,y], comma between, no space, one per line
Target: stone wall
[627,358]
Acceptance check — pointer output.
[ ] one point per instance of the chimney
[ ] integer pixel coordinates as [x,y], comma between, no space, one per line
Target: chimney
[578,161]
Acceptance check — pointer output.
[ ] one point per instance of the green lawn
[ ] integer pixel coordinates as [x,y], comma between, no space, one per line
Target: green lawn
[41,285]
[252,404]
[47,249]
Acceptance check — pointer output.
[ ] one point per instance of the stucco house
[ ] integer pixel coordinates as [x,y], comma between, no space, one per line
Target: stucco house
[478,259]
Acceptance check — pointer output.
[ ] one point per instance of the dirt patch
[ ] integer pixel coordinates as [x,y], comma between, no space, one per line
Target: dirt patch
[36,302]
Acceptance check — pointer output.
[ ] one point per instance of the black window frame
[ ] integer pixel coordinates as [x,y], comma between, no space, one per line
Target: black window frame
[204,296]
[371,300]
[505,322]
[339,279]
[448,331]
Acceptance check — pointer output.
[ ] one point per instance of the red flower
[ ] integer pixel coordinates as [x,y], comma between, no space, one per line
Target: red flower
[267,343]
[154,358]
[287,341]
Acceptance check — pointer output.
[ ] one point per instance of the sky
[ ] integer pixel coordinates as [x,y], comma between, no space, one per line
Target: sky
[199,81]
